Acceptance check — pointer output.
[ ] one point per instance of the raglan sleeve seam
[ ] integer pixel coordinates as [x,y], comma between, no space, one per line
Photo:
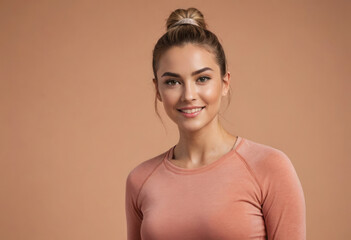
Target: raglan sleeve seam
[145,180]
[249,169]
[130,185]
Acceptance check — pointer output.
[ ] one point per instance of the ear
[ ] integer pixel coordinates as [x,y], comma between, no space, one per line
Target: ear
[226,84]
[157,91]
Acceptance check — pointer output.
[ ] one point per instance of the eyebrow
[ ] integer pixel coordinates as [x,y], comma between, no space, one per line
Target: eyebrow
[193,74]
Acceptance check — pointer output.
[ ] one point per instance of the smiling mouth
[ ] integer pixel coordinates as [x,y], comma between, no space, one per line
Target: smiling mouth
[194,110]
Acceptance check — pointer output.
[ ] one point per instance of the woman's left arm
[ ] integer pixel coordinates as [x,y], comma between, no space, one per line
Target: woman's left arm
[283,203]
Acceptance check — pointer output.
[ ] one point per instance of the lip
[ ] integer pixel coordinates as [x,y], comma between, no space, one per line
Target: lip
[190,107]
[190,115]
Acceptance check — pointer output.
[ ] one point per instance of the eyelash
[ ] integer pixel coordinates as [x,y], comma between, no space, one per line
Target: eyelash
[207,78]
[168,82]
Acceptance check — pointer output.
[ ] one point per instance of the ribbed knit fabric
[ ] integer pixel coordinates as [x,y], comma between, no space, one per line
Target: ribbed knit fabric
[251,192]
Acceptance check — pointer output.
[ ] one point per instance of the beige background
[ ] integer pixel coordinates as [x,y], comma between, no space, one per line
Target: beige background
[76,105]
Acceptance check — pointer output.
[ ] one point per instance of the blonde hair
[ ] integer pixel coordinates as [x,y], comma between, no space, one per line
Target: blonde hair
[181,34]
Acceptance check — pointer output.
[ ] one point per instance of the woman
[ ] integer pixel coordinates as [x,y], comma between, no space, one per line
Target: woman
[211,184]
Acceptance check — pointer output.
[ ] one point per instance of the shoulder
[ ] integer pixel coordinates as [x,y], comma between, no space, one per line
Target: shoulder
[265,161]
[138,175]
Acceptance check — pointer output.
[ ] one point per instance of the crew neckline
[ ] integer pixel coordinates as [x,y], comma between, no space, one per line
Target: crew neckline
[174,168]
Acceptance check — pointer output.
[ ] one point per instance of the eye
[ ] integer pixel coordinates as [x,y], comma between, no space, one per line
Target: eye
[171,82]
[203,79]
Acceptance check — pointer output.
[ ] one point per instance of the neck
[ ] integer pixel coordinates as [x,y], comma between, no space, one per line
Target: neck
[199,145]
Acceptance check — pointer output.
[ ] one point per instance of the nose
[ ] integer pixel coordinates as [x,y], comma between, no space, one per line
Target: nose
[189,92]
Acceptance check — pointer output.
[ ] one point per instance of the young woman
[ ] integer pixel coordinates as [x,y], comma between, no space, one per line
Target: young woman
[211,185]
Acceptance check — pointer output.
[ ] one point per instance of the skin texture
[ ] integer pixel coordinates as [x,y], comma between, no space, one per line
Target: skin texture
[202,138]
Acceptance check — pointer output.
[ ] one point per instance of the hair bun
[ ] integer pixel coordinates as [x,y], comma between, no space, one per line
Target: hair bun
[180,14]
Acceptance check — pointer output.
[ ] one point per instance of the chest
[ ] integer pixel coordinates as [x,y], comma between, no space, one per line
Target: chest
[217,206]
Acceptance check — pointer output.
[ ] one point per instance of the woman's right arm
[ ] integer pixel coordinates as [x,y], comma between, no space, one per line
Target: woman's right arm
[133,213]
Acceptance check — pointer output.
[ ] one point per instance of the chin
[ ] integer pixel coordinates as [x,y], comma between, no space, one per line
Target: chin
[191,127]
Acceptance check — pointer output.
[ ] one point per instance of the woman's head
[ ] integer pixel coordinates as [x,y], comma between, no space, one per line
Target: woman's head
[192,32]
[181,34]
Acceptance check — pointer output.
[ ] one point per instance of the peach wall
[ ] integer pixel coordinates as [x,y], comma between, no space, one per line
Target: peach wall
[76,105]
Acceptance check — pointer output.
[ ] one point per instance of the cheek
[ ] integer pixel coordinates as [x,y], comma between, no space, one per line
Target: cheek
[212,94]
[170,97]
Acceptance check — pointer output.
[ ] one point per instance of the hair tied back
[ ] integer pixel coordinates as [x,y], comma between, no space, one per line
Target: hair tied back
[185,21]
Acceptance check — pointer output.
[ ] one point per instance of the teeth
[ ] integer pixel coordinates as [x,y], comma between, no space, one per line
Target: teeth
[191,110]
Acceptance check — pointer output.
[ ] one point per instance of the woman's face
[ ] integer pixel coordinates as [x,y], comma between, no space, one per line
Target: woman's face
[190,86]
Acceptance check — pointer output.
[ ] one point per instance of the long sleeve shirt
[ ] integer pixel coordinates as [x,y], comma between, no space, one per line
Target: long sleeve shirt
[251,192]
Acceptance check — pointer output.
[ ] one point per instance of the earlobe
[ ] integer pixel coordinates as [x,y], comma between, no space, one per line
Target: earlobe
[158,96]
[226,84]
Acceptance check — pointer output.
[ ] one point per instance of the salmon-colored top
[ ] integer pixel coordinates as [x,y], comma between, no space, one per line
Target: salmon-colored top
[251,192]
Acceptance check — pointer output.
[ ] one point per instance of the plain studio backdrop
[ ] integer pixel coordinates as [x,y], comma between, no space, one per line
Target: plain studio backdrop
[76,105]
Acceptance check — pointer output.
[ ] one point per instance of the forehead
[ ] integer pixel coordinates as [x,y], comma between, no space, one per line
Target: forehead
[186,59]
